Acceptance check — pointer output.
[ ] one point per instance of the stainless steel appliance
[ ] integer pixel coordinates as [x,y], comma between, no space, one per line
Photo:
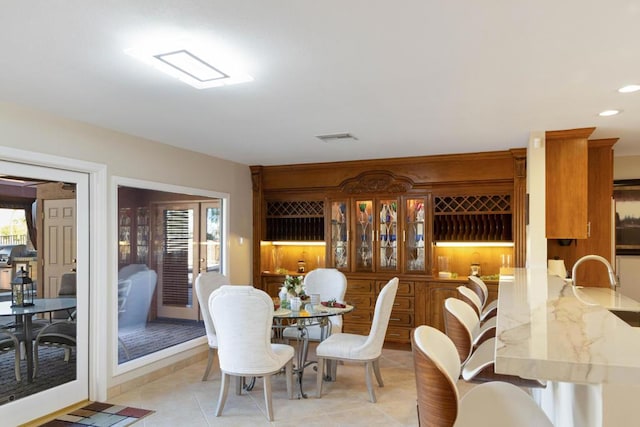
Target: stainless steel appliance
[7,254]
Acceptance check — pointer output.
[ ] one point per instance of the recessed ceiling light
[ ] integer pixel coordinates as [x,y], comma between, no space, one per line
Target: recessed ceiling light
[629,89]
[199,66]
[607,113]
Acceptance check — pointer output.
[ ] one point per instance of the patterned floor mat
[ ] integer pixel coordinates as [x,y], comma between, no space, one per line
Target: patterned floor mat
[100,414]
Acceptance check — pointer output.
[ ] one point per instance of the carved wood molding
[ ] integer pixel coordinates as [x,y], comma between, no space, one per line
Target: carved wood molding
[376,182]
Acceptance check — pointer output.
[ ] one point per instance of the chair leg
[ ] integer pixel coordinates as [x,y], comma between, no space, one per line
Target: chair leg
[266,380]
[367,374]
[67,354]
[288,371]
[35,359]
[319,378]
[224,388]
[239,385]
[334,370]
[16,365]
[212,353]
[376,370]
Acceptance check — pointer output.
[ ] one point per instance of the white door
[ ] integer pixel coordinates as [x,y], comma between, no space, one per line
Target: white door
[59,243]
[191,235]
[52,399]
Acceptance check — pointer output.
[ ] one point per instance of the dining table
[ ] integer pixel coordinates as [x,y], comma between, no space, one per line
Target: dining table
[303,319]
[23,320]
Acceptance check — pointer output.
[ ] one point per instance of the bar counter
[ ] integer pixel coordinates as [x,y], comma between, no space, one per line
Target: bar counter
[549,330]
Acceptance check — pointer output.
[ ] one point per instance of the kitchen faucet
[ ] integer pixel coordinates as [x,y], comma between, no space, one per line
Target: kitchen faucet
[613,281]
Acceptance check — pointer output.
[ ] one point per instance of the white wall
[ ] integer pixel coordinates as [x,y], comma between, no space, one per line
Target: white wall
[133,157]
[626,167]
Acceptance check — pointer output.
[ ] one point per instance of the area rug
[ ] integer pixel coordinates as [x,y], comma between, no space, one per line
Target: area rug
[100,414]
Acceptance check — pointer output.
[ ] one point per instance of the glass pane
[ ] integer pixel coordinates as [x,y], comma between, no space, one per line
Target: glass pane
[339,244]
[213,226]
[388,234]
[415,258]
[364,233]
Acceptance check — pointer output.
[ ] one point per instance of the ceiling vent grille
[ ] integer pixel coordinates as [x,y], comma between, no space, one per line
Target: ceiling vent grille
[337,137]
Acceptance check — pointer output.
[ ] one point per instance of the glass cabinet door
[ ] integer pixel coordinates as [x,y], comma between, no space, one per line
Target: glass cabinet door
[364,235]
[415,235]
[339,251]
[388,234]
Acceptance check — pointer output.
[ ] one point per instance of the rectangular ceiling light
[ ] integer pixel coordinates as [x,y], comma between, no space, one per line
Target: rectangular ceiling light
[198,65]
[191,65]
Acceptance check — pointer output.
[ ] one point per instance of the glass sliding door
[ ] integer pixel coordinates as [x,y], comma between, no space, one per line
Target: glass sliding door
[165,239]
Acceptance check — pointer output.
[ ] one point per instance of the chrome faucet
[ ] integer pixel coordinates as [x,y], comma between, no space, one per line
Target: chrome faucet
[613,281]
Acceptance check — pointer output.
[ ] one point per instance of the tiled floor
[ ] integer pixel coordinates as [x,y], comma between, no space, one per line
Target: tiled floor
[183,399]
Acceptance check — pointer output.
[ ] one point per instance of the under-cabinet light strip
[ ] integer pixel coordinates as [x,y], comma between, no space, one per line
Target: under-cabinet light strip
[475,244]
[294,243]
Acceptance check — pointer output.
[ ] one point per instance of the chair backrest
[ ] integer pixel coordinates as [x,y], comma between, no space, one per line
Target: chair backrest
[130,269]
[330,284]
[243,317]
[206,283]
[136,307]
[67,289]
[471,298]
[437,369]
[461,323]
[384,304]
[480,288]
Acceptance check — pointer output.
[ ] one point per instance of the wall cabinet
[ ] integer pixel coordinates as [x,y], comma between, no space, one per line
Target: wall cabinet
[598,239]
[133,236]
[566,159]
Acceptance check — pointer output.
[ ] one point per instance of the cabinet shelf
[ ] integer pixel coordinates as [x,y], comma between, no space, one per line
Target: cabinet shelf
[295,220]
[473,218]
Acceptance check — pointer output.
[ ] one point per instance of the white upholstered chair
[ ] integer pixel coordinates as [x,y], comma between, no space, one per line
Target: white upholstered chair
[330,284]
[492,404]
[361,348]
[471,298]
[476,348]
[487,310]
[243,317]
[206,283]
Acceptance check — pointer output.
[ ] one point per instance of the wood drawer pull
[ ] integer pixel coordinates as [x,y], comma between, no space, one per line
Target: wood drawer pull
[395,319]
[394,335]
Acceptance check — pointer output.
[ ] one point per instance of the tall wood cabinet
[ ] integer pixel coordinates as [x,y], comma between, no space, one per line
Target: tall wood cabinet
[598,236]
[383,219]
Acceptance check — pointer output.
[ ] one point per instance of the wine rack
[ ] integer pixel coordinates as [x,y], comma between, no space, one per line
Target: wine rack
[295,220]
[473,218]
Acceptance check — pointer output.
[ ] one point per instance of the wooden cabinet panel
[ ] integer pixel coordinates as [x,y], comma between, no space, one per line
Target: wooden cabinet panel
[438,293]
[566,154]
[403,303]
[356,328]
[361,302]
[359,286]
[399,335]
[599,240]
[399,318]
[359,316]
[405,288]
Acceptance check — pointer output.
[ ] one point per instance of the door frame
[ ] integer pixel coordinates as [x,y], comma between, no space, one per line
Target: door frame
[92,254]
[162,355]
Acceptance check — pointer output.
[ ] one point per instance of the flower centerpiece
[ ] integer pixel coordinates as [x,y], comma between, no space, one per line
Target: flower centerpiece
[294,286]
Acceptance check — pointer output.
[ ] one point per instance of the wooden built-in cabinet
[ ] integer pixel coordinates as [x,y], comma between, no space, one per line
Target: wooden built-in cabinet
[382,218]
[598,235]
[567,167]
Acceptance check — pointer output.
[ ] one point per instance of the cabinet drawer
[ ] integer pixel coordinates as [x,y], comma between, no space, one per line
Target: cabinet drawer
[401,319]
[361,302]
[403,303]
[398,334]
[359,316]
[359,286]
[405,288]
[356,328]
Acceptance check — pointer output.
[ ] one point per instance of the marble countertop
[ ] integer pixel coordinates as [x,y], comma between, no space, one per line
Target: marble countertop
[547,329]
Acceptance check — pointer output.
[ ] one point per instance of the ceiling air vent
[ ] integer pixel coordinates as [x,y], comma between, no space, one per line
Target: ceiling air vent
[337,137]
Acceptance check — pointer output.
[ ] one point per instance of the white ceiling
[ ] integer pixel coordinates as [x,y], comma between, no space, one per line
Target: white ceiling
[406,77]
